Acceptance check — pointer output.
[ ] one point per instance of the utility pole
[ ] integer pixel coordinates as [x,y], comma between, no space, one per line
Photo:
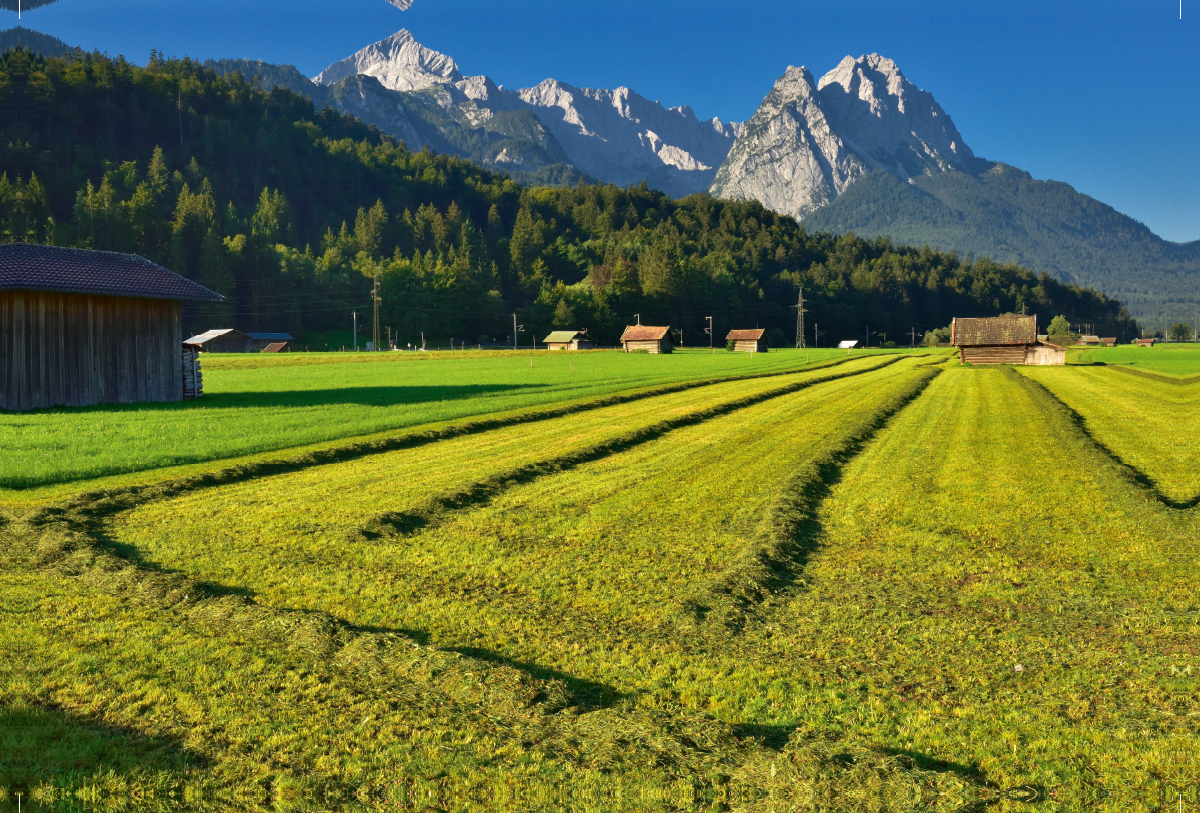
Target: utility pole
[816,336]
[709,331]
[389,330]
[800,311]
[514,331]
[355,315]
[375,300]
[914,337]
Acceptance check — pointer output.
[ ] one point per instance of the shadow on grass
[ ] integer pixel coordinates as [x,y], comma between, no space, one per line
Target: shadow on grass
[347,396]
[587,695]
[772,736]
[46,745]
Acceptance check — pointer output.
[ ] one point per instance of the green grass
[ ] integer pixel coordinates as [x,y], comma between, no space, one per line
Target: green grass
[1147,421]
[258,404]
[805,592]
[1181,360]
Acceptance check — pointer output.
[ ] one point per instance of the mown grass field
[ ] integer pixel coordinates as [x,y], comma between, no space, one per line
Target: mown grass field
[891,583]
[255,404]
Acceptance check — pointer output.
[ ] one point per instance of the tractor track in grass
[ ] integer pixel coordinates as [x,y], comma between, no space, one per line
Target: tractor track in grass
[441,507]
[1131,473]
[775,561]
[116,500]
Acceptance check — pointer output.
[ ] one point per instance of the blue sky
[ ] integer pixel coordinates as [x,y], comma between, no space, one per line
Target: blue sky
[1101,95]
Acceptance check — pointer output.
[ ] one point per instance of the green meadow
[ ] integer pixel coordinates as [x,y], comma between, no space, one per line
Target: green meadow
[868,583]
[255,404]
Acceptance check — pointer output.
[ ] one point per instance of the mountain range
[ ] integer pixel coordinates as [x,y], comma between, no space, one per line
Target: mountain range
[861,149]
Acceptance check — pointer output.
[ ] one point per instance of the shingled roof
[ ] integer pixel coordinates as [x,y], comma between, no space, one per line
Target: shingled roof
[997,330]
[644,333]
[745,335]
[31,267]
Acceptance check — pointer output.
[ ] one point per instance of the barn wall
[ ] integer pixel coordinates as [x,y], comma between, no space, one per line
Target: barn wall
[1045,355]
[759,346]
[999,354]
[74,350]
[662,346]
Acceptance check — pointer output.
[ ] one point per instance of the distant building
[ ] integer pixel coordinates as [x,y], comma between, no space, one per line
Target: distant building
[258,342]
[647,338]
[1003,340]
[1145,342]
[1090,341]
[228,340]
[748,341]
[1108,341]
[569,340]
[88,327]
[276,347]
[850,344]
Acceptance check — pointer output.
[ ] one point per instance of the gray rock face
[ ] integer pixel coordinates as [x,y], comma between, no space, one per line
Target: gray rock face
[615,136]
[808,141]
[788,156]
[398,62]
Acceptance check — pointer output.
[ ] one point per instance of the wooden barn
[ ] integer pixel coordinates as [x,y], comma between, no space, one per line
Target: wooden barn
[1108,341]
[647,338]
[1145,342]
[1003,340]
[1090,341]
[88,327]
[748,341]
[569,340]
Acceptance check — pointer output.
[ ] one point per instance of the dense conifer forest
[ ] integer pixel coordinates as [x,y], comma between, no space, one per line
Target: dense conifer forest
[293,212]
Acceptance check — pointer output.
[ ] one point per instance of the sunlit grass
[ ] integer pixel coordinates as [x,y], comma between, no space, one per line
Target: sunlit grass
[256,404]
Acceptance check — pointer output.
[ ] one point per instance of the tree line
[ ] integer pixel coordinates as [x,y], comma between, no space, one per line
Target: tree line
[293,213]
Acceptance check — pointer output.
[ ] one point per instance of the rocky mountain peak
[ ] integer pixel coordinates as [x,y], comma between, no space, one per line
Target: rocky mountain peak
[398,62]
[888,120]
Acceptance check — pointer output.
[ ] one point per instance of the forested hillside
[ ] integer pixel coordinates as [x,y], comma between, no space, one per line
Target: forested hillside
[291,212]
[1006,214]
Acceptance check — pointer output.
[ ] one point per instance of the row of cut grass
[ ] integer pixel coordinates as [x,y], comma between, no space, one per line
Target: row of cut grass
[1148,423]
[278,705]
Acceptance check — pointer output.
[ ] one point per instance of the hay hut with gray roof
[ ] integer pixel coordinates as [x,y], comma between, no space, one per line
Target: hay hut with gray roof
[569,340]
[1003,340]
[88,327]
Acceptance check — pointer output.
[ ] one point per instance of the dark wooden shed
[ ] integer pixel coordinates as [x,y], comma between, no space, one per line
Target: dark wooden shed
[1003,340]
[748,341]
[226,340]
[647,338]
[87,327]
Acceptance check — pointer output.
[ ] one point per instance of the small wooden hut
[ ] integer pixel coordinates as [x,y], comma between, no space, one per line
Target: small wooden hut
[1090,341]
[88,327]
[226,340]
[1003,340]
[1108,341]
[748,341]
[569,340]
[647,338]
[258,342]
[1145,342]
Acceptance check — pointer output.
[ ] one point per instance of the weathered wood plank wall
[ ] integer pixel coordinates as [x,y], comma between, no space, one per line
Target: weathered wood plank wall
[74,350]
[662,346]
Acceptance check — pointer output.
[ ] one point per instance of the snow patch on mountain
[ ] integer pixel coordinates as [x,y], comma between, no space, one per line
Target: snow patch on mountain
[398,62]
